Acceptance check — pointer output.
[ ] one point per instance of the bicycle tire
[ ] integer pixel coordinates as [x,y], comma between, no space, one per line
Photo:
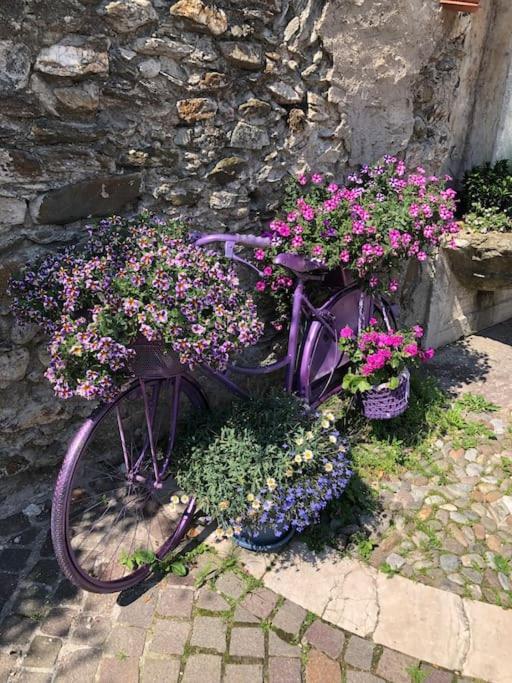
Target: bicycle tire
[60,521]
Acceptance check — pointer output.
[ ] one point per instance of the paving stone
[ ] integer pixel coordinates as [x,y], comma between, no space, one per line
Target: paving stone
[247,642]
[7,585]
[7,664]
[209,633]
[98,602]
[325,638]
[45,571]
[243,673]
[175,602]
[126,639]
[231,585]
[202,668]
[244,617]
[91,630]
[361,677]
[43,652]
[289,618]
[359,653]
[278,647]
[211,601]
[28,676]
[393,666]
[160,670]
[78,666]
[31,600]
[260,603]
[13,559]
[67,594]
[284,670]
[12,525]
[138,613]
[16,631]
[58,622]
[169,637]
[322,669]
[433,675]
[118,670]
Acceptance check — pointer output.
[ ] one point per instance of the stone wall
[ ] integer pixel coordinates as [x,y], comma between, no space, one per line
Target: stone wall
[200,110]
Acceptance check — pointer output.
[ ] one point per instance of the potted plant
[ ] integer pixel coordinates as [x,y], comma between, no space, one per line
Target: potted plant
[135,280]
[383,215]
[379,367]
[264,469]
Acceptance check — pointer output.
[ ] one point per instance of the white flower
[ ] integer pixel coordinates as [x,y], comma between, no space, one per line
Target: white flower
[299,441]
[332,438]
[185,499]
[288,473]
[308,455]
[330,417]
[298,458]
[325,423]
[223,505]
[229,532]
[271,483]
[250,497]
[219,533]
[256,504]
[175,500]
[309,435]
[328,467]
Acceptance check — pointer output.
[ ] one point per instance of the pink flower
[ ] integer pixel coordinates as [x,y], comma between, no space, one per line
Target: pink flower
[411,349]
[373,321]
[393,285]
[317,179]
[346,332]
[303,180]
[297,241]
[344,256]
[267,271]
[260,286]
[259,254]
[374,281]
[284,230]
[421,256]
[417,331]
[428,354]
[332,188]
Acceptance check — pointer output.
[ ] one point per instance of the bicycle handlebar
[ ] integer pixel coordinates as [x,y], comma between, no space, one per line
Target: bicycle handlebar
[249,240]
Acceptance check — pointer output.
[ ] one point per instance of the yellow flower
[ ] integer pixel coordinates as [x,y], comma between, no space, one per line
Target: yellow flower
[309,435]
[185,499]
[328,467]
[298,459]
[330,417]
[308,455]
[332,438]
[341,449]
[289,473]
[325,424]
[250,497]
[219,533]
[229,532]
[76,350]
[175,500]
[271,483]
[299,441]
[223,505]
[256,504]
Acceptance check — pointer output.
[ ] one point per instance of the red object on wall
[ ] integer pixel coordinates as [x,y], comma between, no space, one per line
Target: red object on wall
[461,5]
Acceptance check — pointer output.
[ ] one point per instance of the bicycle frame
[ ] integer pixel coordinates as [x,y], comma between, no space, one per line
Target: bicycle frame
[301,307]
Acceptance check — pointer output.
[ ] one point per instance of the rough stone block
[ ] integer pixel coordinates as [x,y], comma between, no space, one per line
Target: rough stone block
[78,666]
[58,622]
[278,647]
[128,640]
[209,633]
[196,109]
[90,630]
[247,642]
[156,670]
[284,670]
[128,15]
[14,66]
[12,212]
[243,55]
[72,61]
[362,677]
[247,136]
[95,197]
[243,673]
[289,618]
[325,638]
[175,602]
[393,666]
[201,668]
[43,652]
[200,17]
[359,653]
[169,637]
[211,601]
[260,603]
[118,670]
[231,585]
[322,669]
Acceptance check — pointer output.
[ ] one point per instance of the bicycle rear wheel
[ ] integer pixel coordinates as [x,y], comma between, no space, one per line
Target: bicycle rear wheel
[109,504]
[322,365]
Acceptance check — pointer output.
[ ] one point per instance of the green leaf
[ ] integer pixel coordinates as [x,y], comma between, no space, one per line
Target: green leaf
[394,383]
[179,569]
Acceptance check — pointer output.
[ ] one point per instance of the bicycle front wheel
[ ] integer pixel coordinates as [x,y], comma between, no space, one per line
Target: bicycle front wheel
[322,365]
[112,511]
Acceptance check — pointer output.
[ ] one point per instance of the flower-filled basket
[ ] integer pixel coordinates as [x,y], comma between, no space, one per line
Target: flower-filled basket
[379,367]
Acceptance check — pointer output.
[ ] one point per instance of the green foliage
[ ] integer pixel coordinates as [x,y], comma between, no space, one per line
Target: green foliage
[502,564]
[385,568]
[487,219]
[142,558]
[490,186]
[417,674]
[476,404]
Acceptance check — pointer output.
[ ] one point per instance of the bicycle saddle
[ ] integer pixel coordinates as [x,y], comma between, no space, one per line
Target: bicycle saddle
[298,264]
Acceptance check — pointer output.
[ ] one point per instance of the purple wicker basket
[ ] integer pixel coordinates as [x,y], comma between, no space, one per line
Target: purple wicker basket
[385,404]
[152,361]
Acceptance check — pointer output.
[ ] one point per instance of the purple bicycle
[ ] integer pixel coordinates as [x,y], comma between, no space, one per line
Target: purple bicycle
[115,493]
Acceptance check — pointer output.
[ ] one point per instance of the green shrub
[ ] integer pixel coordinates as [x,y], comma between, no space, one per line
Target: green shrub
[487,219]
[489,186]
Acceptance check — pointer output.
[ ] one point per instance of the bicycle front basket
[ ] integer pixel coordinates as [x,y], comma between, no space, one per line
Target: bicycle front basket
[153,361]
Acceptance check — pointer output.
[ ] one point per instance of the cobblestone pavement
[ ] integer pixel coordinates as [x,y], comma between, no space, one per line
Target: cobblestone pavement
[231,630]
[451,527]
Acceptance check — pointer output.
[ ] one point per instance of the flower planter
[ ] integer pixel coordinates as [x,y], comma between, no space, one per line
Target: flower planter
[461,5]
[482,262]
[152,361]
[265,542]
[384,403]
